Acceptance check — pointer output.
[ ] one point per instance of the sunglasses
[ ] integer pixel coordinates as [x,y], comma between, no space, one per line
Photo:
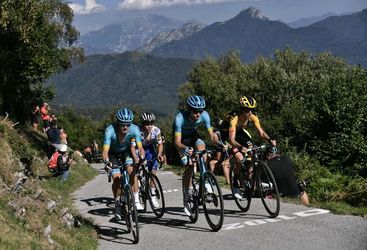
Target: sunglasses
[121,124]
[147,123]
[247,110]
[195,111]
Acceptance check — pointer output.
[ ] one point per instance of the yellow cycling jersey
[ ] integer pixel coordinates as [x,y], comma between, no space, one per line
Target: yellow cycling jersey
[237,123]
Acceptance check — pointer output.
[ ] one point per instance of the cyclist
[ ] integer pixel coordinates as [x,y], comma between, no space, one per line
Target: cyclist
[153,146]
[186,138]
[117,146]
[240,139]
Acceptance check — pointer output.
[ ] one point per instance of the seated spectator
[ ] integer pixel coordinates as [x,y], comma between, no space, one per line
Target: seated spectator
[87,153]
[59,163]
[282,168]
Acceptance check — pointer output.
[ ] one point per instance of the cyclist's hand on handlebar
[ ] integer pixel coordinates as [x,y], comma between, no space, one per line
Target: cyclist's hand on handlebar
[244,150]
[273,142]
[189,151]
[108,166]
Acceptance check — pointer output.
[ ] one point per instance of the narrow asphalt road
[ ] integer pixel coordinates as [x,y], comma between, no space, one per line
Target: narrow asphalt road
[296,227]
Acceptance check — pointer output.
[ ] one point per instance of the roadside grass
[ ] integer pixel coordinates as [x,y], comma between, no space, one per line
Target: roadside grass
[336,207]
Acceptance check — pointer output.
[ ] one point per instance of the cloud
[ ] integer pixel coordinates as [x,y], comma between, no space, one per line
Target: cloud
[146,4]
[91,6]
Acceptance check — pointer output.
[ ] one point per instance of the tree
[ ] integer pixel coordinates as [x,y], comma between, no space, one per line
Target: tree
[311,101]
[35,41]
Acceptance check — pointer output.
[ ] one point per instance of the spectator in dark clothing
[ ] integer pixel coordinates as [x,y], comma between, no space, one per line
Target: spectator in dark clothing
[34,117]
[54,137]
[282,168]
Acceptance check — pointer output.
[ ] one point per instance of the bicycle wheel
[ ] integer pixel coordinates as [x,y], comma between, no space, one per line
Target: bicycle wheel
[267,189]
[245,191]
[132,215]
[143,194]
[156,197]
[194,200]
[212,198]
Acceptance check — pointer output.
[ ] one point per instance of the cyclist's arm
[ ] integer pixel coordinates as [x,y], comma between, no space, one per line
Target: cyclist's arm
[232,132]
[178,132]
[139,144]
[106,145]
[264,136]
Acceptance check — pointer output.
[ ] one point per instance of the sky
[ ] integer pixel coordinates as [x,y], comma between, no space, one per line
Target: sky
[94,14]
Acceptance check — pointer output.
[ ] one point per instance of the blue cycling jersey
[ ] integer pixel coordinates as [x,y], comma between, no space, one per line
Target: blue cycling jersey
[185,127]
[112,142]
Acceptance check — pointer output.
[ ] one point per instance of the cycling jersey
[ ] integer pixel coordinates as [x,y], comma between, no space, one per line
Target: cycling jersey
[153,138]
[186,127]
[239,124]
[112,143]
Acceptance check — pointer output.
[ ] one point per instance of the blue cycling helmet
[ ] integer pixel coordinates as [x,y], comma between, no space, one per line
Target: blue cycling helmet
[196,102]
[124,115]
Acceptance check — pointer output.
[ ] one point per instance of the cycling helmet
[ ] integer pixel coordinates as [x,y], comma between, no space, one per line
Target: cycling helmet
[196,102]
[248,102]
[124,115]
[148,117]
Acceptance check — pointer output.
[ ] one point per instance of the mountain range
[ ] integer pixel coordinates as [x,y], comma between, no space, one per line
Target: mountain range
[255,35]
[126,35]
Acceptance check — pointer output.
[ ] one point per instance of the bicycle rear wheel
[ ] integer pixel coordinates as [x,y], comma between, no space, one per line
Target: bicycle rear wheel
[245,191]
[267,189]
[132,215]
[156,197]
[212,198]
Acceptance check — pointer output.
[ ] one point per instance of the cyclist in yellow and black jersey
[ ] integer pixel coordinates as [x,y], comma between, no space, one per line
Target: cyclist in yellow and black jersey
[234,130]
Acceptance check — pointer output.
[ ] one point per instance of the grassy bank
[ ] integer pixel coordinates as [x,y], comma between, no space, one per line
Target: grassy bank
[27,192]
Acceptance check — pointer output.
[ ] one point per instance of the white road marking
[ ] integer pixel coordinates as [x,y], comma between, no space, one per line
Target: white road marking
[257,222]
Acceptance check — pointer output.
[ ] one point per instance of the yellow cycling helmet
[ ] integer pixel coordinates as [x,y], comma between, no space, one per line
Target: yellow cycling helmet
[248,102]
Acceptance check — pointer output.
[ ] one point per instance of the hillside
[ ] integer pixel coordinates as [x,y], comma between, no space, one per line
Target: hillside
[254,35]
[36,211]
[130,78]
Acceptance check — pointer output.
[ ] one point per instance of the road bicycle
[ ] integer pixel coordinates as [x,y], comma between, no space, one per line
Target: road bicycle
[150,189]
[127,201]
[206,192]
[257,181]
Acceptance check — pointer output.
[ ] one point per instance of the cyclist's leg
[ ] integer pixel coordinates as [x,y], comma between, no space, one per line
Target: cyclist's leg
[116,185]
[186,176]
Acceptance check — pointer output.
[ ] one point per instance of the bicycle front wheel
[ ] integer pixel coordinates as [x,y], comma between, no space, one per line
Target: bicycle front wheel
[212,198]
[194,200]
[132,215]
[244,189]
[156,197]
[143,189]
[267,189]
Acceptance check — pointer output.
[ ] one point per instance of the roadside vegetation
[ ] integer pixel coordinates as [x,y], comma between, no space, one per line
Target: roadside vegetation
[33,205]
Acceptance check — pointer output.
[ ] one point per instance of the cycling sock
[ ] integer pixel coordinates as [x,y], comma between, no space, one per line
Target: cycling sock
[152,190]
[136,197]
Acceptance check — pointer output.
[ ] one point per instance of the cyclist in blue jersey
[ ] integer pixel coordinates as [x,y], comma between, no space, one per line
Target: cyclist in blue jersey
[153,146]
[117,144]
[186,139]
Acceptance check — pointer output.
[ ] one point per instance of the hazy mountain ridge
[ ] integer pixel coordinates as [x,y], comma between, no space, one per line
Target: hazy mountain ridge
[126,35]
[254,35]
[177,34]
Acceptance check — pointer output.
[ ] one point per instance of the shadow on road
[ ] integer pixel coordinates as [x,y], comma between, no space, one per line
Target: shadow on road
[115,234]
